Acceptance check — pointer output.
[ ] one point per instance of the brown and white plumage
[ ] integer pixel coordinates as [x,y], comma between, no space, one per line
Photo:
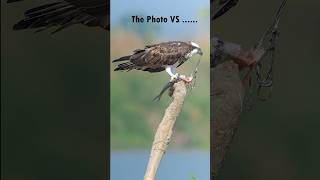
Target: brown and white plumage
[157,57]
[65,13]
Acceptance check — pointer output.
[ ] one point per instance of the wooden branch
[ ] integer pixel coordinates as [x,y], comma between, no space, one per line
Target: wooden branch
[164,131]
[227,94]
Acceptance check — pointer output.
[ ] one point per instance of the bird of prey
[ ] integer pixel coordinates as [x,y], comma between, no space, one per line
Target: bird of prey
[64,13]
[159,57]
[219,7]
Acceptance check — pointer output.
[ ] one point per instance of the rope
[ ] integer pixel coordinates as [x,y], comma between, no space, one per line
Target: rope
[264,68]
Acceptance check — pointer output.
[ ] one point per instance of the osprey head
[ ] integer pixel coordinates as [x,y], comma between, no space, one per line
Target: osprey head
[195,49]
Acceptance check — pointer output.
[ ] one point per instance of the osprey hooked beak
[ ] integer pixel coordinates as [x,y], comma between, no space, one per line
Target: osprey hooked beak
[197,48]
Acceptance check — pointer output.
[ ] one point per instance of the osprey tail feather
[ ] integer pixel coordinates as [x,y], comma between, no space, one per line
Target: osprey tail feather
[124,58]
[124,66]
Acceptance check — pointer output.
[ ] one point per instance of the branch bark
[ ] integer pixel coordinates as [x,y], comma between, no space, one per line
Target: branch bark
[227,94]
[165,129]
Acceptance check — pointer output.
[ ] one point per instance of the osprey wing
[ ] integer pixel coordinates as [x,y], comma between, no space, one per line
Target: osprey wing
[62,14]
[164,54]
[155,58]
[100,9]
[219,7]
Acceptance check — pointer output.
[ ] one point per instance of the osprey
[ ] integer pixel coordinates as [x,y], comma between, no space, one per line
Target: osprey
[62,14]
[219,7]
[159,57]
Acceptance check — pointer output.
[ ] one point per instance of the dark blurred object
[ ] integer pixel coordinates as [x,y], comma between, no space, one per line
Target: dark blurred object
[227,94]
[62,14]
[264,68]
[278,139]
[219,7]
[54,101]
[268,42]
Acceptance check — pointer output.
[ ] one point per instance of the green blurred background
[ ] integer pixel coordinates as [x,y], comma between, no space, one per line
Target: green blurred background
[278,139]
[134,116]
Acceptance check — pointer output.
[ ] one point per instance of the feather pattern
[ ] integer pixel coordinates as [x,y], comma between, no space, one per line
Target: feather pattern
[63,14]
[155,58]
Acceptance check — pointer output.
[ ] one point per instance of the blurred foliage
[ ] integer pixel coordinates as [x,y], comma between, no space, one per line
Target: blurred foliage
[203,13]
[135,117]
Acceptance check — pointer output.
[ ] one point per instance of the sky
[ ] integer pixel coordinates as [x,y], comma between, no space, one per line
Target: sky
[186,9]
